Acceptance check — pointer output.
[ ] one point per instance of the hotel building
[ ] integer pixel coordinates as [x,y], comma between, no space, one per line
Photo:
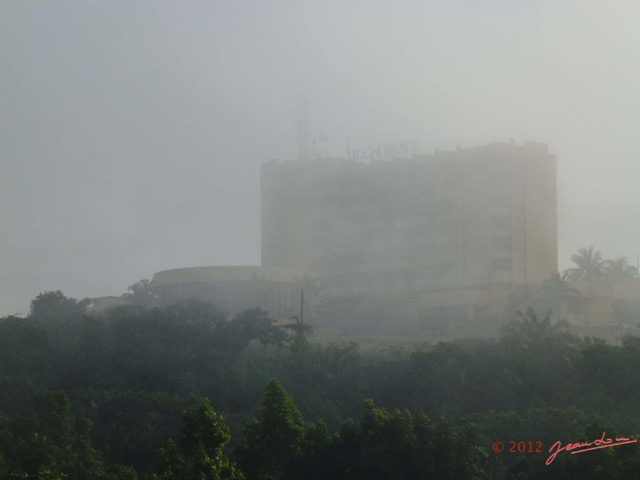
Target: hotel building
[471,218]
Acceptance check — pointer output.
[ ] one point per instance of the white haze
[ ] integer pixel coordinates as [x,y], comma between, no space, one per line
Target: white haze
[131,133]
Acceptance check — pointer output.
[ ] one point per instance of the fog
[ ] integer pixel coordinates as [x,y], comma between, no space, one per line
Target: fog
[131,133]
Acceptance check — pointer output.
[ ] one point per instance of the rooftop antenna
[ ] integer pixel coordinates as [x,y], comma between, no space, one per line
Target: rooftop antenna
[323,142]
[298,327]
[302,127]
[302,307]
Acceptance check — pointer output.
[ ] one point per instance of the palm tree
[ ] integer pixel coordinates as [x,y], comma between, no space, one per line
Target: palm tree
[553,293]
[530,331]
[556,293]
[590,267]
[620,268]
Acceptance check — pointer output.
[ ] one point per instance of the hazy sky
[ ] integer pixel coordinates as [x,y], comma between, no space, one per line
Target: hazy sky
[131,133]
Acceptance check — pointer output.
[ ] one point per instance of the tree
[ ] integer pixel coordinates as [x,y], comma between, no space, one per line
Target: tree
[558,295]
[51,444]
[132,426]
[194,312]
[553,293]
[619,268]
[590,267]
[141,294]
[539,357]
[252,324]
[401,444]
[388,444]
[271,444]
[199,454]
[54,305]
[317,460]
[299,329]
[556,290]
[530,332]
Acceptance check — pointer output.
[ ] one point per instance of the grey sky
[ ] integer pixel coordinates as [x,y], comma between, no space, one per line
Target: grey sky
[131,133]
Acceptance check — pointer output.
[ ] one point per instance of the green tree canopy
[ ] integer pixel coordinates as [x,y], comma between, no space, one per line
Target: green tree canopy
[199,454]
[54,305]
[270,444]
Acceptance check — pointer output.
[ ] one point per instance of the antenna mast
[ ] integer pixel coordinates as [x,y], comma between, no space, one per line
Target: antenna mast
[302,127]
[302,307]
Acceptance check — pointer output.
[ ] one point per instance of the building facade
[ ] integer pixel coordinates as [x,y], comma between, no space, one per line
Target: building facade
[451,220]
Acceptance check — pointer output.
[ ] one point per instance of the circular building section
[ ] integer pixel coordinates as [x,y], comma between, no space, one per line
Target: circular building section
[235,288]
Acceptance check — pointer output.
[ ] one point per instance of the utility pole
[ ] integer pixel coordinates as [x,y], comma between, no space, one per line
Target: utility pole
[302,307]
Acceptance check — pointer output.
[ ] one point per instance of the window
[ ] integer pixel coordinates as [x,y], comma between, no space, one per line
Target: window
[501,264]
[446,208]
[518,227]
[502,242]
[501,221]
[520,270]
[448,228]
[426,272]
[446,269]
[405,274]
[449,248]
[501,200]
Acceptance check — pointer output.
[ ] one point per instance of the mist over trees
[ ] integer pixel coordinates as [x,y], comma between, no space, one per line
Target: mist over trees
[150,136]
[184,391]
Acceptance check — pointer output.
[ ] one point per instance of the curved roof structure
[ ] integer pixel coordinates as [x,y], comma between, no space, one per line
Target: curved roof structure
[227,273]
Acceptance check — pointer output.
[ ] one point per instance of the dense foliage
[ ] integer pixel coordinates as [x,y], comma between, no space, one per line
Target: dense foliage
[184,392]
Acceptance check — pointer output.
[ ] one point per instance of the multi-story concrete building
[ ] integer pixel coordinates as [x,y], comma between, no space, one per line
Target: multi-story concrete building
[439,239]
[474,217]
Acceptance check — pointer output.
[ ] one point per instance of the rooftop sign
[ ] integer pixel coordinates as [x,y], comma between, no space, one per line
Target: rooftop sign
[384,152]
